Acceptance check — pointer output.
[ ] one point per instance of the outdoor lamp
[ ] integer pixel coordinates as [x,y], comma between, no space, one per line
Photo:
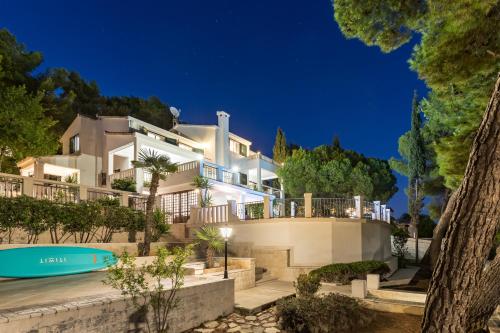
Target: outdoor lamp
[226,233]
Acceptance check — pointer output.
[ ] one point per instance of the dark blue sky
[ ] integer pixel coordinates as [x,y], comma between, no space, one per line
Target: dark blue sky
[267,63]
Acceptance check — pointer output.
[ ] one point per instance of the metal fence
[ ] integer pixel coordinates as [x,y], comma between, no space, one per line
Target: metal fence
[333,207]
[11,186]
[56,191]
[250,210]
[290,207]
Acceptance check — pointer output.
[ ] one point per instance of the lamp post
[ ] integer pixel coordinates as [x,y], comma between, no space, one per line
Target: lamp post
[226,233]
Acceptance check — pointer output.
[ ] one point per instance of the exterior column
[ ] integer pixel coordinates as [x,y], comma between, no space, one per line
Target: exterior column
[376,208]
[124,200]
[38,172]
[282,191]
[359,204]
[267,207]
[259,173]
[83,193]
[28,186]
[383,212]
[307,204]
[388,215]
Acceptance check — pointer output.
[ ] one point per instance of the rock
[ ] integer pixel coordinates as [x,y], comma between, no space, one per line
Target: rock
[211,324]
[258,330]
[240,321]
[234,329]
[203,330]
[222,326]
[271,330]
[250,317]
[273,324]
[231,325]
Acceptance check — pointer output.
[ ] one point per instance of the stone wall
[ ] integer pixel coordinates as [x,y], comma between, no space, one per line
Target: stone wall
[199,303]
[116,248]
[317,241]
[242,271]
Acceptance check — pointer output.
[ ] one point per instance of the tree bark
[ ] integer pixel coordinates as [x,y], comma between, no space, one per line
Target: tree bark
[459,275]
[150,205]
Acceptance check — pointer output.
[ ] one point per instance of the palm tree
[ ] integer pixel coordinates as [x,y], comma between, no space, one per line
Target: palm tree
[159,166]
[211,236]
[203,184]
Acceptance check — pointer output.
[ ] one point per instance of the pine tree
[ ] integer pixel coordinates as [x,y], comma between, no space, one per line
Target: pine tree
[279,149]
[416,169]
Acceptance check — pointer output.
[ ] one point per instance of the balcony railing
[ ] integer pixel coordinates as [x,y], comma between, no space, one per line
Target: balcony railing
[289,207]
[11,186]
[333,207]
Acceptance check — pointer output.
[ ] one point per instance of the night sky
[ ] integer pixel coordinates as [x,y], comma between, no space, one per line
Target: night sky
[267,63]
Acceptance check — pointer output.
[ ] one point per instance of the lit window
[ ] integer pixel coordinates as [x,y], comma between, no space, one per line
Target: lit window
[74,144]
[237,148]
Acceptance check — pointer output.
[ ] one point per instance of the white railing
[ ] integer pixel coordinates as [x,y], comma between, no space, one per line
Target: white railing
[129,173]
[212,214]
[44,189]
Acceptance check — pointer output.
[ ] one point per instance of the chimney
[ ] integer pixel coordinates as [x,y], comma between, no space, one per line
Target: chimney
[222,152]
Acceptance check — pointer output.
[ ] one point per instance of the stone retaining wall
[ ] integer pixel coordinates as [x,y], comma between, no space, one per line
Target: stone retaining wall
[208,300]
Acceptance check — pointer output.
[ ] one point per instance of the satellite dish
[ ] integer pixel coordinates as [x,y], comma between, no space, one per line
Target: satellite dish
[175,112]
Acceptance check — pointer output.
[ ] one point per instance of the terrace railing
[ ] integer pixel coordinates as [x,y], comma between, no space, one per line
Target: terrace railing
[44,189]
[334,207]
[289,207]
[250,210]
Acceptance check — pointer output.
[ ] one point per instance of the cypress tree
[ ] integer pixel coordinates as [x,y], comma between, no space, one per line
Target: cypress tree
[416,168]
[279,149]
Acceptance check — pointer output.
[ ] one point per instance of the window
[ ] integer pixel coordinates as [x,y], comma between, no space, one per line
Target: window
[237,148]
[171,141]
[243,179]
[74,144]
[178,205]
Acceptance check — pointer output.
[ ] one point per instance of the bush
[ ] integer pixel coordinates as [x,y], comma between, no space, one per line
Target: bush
[124,184]
[400,237]
[344,273]
[329,313]
[306,285]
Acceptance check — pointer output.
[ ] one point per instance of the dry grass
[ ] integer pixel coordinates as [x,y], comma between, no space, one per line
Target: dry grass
[386,322]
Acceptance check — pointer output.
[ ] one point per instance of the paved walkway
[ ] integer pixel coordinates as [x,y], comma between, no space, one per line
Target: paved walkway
[262,296]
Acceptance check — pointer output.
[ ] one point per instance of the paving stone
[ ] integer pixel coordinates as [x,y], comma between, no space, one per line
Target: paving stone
[269,324]
[203,330]
[250,317]
[234,329]
[231,325]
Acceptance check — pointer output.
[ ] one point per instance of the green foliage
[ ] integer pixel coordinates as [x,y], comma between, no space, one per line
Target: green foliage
[344,273]
[161,226]
[457,57]
[82,222]
[332,171]
[213,241]
[280,148]
[24,128]
[307,285]
[385,23]
[159,166]
[400,237]
[124,184]
[322,314]
[203,184]
[146,285]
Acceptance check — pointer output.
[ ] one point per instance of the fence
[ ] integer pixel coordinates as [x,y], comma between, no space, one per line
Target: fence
[44,189]
[250,210]
[333,207]
[212,214]
[290,207]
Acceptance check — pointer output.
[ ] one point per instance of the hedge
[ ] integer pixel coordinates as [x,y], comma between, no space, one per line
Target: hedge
[344,273]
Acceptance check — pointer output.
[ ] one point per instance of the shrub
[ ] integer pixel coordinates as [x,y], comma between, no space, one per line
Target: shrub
[329,313]
[124,184]
[306,285]
[400,237]
[344,273]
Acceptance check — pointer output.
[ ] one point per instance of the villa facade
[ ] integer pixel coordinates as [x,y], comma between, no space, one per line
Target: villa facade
[98,151]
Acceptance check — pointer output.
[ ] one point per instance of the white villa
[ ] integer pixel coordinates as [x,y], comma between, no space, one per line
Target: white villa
[97,151]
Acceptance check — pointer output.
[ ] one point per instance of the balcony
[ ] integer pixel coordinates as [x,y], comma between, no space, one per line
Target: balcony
[217,173]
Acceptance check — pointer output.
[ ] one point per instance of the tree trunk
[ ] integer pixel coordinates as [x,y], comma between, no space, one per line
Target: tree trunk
[150,205]
[474,214]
